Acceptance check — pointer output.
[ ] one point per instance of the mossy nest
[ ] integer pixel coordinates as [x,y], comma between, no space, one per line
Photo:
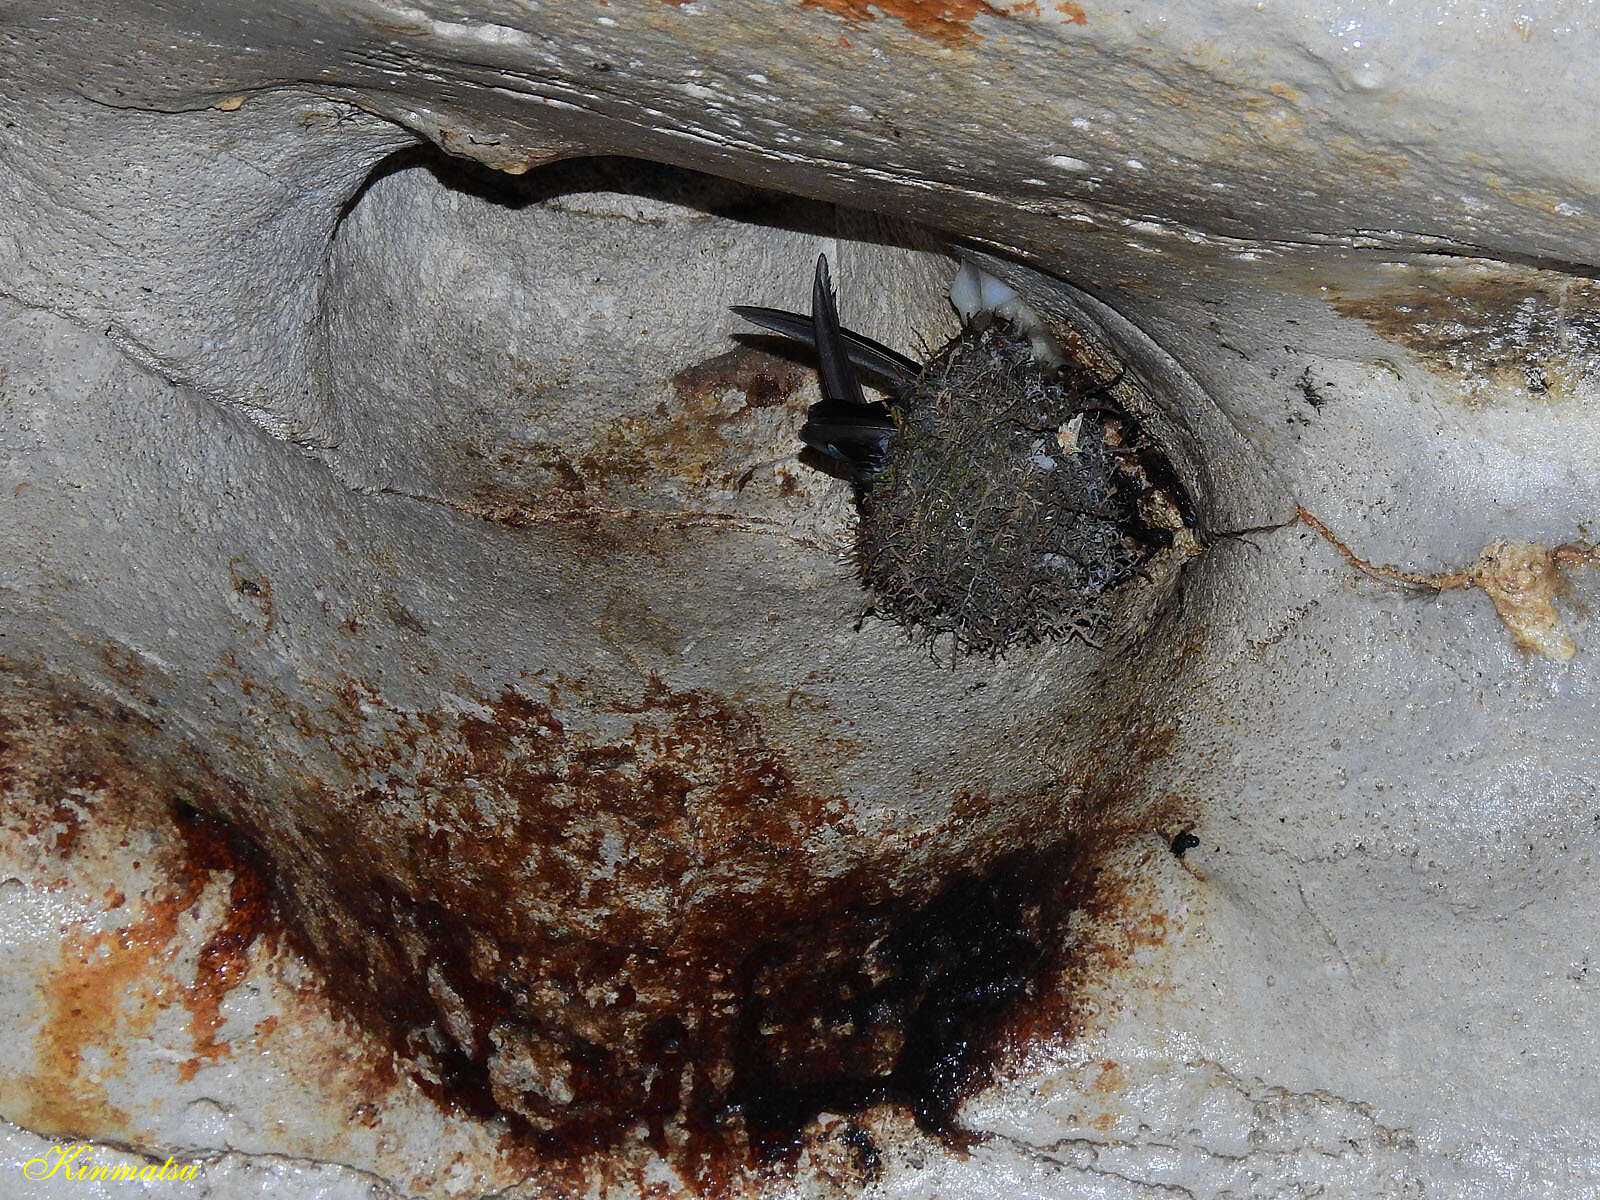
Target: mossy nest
[1002,515]
[1002,497]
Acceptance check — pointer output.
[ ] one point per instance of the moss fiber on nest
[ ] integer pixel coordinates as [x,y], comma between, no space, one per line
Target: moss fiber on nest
[999,504]
[998,518]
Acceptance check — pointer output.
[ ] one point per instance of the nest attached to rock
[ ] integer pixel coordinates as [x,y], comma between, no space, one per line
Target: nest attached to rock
[1001,516]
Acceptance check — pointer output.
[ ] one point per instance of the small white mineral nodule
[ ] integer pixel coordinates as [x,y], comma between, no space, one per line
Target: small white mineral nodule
[1067,435]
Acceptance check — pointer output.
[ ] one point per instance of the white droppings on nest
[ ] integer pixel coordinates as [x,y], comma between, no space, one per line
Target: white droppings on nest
[1067,435]
[976,293]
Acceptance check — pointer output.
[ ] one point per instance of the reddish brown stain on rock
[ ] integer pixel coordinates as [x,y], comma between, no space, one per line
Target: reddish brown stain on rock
[1510,329]
[68,825]
[598,932]
[578,912]
[87,1008]
[705,438]
[947,21]
[224,958]
[581,934]
[600,876]
[1107,868]
[1108,1079]
[765,379]
[112,982]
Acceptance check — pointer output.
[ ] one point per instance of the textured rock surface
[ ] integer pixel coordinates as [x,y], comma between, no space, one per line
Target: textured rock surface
[421,532]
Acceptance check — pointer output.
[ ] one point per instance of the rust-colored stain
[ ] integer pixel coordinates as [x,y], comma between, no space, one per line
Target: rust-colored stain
[112,983]
[1073,13]
[702,439]
[1522,580]
[1118,915]
[224,958]
[88,1009]
[68,826]
[946,21]
[1109,1079]
[1507,331]
[579,934]
[765,380]
[581,929]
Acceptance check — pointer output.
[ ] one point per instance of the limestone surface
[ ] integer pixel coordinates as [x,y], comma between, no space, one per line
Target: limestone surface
[444,751]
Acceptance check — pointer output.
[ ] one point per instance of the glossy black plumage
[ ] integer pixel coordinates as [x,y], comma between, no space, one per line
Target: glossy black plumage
[839,380]
[843,425]
[876,359]
[856,436]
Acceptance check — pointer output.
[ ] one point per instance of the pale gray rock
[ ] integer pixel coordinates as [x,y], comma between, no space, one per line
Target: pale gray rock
[384,478]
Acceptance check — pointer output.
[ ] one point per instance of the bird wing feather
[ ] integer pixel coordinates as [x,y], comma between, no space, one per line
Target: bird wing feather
[873,357]
[837,348]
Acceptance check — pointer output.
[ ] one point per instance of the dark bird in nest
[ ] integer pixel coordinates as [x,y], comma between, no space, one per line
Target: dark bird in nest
[994,506]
